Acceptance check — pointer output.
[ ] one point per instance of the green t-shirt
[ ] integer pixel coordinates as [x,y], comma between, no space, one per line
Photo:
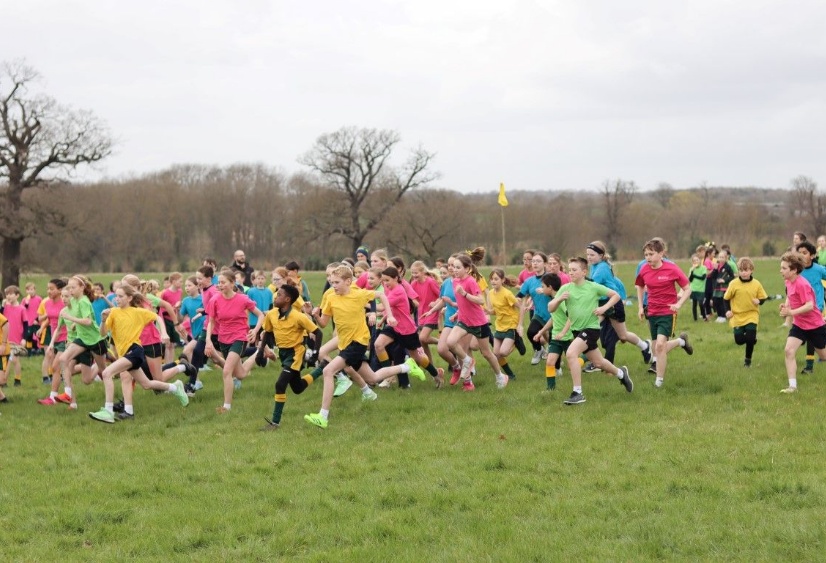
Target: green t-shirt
[698,278]
[82,309]
[560,318]
[582,301]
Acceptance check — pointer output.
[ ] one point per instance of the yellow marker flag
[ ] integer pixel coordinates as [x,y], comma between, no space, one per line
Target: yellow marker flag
[503,201]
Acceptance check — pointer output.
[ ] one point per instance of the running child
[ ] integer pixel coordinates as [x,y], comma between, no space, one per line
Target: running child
[560,337]
[745,295]
[15,314]
[582,297]
[658,278]
[285,328]
[505,307]
[697,281]
[125,324]
[31,303]
[346,307]
[807,321]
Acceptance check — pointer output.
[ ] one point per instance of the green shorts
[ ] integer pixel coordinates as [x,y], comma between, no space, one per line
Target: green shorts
[238,347]
[558,346]
[661,325]
[504,334]
[481,331]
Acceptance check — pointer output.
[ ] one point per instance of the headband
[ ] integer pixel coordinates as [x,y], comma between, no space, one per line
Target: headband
[596,249]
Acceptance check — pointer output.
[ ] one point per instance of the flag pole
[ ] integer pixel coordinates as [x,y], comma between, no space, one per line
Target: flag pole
[504,248]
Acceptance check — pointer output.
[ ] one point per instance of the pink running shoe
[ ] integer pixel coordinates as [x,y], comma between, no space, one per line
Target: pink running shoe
[47,401]
[457,373]
[467,385]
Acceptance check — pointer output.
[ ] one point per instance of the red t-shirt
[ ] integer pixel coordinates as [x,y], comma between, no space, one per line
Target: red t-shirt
[470,314]
[799,292]
[400,307]
[660,284]
[428,292]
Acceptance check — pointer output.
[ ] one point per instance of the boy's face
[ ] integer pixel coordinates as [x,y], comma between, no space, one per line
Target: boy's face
[191,288]
[12,297]
[653,257]
[786,271]
[695,260]
[31,291]
[281,299]
[260,280]
[745,273]
[339,284]
[576,271]
[807,258]
[177,283]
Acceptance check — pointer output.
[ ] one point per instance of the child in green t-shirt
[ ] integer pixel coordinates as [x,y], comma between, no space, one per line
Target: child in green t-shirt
[697,279]
[582,296]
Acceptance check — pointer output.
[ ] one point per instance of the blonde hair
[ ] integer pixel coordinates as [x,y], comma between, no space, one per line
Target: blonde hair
[344,272]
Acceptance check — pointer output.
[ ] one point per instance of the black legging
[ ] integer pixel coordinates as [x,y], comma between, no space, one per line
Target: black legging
[609,338]
[533,329]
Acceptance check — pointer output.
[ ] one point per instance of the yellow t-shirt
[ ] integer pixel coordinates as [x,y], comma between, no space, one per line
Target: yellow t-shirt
[348,312]
[507,316]
[741,294]
[289,331]
[126,325]
[4,334]
[325,296]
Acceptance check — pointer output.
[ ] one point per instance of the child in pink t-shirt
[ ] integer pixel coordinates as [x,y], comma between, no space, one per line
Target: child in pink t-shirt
[228,319]
[807,321]
[427,289]
[31,303]
[15,313]
[471,320]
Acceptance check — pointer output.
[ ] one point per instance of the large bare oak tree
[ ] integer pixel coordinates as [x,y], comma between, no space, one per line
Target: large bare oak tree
[41,143]
[354,163]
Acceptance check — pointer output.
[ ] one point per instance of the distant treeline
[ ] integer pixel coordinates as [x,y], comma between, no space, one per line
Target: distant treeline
[171,219]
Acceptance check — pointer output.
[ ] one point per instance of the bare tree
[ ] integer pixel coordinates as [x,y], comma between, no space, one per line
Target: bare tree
[617,196]
[41,144]
[809,204]
[663,194]
[354,162]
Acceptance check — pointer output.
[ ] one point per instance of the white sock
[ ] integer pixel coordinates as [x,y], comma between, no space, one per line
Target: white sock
[620,373]
[181,368]
[642,345]
[109,407]
[68,391]
[405,368]
[468,360]
[793,382]
[365,390]
[578,389]
[130,409]
[682,342]
[172,388]
[227,406]
[659,382]
[325,414]
[53,394]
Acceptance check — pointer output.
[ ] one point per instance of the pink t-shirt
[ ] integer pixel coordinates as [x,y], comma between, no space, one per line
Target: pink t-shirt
[400,307]
[799,292]
[16,315]
[428,292]
[231,316]
[564,278]
[470,314]
[525,274]
[31,308]
[660,284]
[173,298]
[411,293]
[53,308]
[361,282]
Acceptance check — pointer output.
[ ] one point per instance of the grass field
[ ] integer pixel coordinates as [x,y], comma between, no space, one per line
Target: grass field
[716,465]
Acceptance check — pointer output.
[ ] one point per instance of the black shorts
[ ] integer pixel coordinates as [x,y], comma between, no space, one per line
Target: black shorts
[406,341]
[135,355]
[590,336]
[816,336]
[353,354]
[617,312]
[153,350]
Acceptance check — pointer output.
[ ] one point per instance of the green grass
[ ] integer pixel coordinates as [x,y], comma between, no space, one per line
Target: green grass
[717,465]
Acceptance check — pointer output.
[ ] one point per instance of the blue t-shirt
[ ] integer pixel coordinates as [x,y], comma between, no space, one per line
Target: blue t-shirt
[189,307]
[603,275]
[263,300]
[814,274]
[447,291]
[98,306]
[531,287]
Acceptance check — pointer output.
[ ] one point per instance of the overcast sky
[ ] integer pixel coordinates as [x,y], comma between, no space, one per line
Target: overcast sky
[538,94]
